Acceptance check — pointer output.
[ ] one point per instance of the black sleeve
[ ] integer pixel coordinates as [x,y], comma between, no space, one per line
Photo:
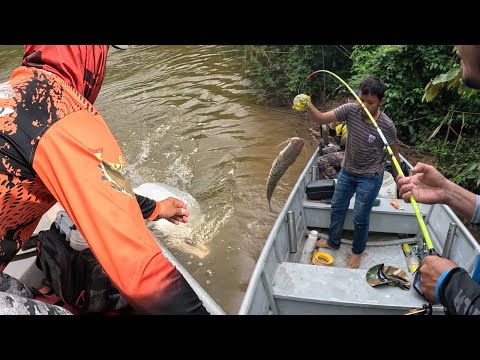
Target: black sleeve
[459,293]
[146,204]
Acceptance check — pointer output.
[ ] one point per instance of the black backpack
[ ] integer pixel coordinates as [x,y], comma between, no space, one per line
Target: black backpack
[76,277]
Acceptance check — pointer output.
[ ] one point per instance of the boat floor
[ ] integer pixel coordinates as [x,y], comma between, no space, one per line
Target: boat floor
[381,248]
[373,254]
[23,268]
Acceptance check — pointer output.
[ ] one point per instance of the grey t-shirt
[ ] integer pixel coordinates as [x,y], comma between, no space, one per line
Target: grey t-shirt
[365,155]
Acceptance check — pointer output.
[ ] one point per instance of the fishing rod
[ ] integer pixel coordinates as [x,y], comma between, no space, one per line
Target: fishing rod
[423,228]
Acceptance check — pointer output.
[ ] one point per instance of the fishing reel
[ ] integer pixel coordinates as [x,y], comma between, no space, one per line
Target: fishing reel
[422,253]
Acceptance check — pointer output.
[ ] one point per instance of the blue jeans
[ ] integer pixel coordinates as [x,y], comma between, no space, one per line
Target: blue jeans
[366,190]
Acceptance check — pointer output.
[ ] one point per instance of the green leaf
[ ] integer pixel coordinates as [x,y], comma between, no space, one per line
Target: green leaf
[472,167]
[446,77]
[431,91]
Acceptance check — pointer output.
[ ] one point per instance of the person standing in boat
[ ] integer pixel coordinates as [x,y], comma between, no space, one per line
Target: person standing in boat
[443,281]
[363,164]
[56,147]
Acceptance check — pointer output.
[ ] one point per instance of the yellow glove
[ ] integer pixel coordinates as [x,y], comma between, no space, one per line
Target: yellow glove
[301,102]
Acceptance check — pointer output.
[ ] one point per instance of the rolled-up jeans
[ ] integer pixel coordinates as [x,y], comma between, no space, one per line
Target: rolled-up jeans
[366,189]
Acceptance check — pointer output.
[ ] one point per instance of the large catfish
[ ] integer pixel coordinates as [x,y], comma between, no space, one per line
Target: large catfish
[284,160]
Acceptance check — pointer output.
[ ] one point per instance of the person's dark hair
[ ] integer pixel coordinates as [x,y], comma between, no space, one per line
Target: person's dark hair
[373,85]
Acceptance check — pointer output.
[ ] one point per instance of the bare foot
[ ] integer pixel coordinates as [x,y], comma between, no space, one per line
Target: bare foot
[322,243]
[354,261]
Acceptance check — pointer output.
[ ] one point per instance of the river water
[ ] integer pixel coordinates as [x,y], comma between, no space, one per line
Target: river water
[186,116]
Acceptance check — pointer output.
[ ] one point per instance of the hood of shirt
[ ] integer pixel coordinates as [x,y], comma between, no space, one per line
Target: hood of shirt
[81,66]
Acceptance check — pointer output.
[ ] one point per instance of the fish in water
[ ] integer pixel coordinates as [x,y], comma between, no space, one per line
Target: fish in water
[284,160]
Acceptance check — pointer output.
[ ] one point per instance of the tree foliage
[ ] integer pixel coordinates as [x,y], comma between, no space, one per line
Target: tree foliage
[280,70]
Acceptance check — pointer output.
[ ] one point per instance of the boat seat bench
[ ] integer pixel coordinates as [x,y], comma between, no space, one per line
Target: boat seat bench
[383,218]
[336,291]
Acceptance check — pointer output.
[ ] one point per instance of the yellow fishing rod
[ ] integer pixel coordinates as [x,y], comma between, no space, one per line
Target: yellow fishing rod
[423,228]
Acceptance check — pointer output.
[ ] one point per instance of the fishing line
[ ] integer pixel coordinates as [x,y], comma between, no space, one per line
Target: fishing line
[423,228]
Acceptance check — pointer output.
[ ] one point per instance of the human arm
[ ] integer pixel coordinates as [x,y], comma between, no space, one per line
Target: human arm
[170,209]
[443,281]
[147,205]
[429,186]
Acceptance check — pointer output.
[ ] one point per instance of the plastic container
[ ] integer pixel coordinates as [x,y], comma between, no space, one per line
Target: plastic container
[411,259]
[389,187]
[67,227]
[309,247]
[406,250]
[322,258]
[77,242]
[320,189]
[413,262]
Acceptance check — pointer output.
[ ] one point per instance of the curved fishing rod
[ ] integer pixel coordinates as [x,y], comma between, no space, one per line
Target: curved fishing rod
[423,228]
